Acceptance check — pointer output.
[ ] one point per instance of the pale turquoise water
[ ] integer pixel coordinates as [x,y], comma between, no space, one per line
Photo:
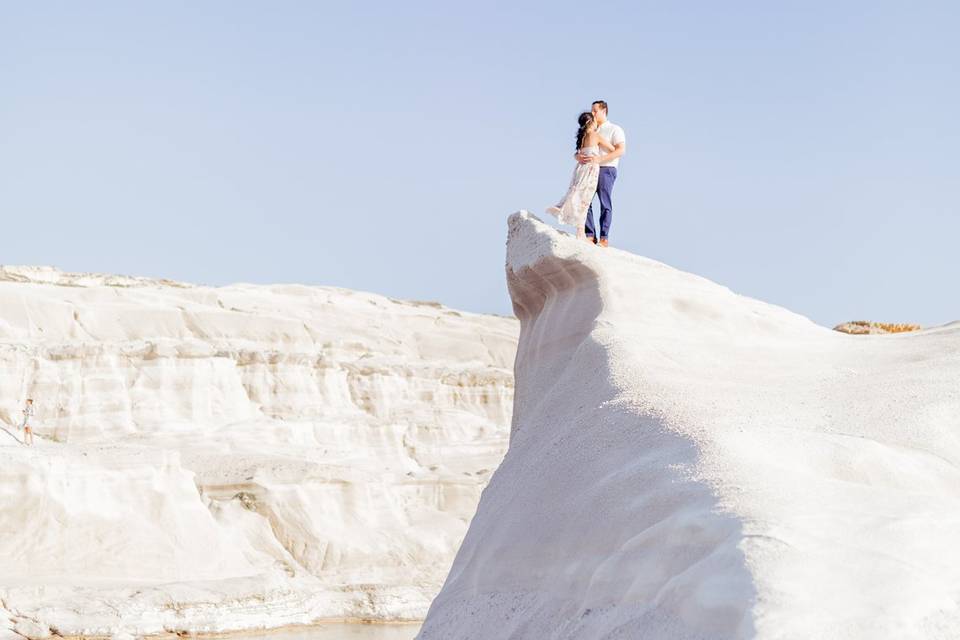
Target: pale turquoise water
[342,632]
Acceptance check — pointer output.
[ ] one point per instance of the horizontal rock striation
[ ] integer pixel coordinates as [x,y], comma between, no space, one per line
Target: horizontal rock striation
[237,457]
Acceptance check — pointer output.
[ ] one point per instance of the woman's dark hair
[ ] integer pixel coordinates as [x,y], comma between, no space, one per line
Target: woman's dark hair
[585,120]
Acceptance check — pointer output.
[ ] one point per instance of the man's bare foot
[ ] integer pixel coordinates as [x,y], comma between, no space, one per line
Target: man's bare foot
[589,239]
[604,243]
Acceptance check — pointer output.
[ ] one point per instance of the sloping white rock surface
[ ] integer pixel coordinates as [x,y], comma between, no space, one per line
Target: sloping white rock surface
[237,457]
[686,462]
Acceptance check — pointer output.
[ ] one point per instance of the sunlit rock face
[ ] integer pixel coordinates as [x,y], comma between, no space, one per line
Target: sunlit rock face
[235,457]
[688,463]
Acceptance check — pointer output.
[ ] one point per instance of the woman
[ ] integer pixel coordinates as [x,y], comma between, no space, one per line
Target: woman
[27,419]
[573,208]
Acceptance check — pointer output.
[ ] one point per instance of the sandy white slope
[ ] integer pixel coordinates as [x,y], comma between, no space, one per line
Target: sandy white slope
[686,462]
[235,457]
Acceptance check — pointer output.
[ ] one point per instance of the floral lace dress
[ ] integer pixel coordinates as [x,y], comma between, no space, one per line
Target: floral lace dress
[572,209]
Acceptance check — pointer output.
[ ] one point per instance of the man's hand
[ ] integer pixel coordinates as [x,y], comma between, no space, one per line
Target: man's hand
[587,159]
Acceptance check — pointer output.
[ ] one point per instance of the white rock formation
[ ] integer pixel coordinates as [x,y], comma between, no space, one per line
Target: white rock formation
[236,457]
[686,462]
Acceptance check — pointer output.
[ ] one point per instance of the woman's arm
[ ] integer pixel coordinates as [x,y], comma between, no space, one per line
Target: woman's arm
[606,146]
[591,139]
[618,150]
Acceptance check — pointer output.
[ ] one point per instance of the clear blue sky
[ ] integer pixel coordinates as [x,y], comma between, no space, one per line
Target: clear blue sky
[805,153]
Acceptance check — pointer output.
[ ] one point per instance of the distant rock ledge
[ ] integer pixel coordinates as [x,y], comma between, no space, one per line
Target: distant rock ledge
[864,327]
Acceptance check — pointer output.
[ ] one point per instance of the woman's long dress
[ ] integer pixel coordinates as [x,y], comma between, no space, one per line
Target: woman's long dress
[572,209]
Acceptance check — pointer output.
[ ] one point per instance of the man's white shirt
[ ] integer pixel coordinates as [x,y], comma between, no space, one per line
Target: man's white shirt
[612,133]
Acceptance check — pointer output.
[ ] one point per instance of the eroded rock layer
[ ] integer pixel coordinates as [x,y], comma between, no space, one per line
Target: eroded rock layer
[237,457]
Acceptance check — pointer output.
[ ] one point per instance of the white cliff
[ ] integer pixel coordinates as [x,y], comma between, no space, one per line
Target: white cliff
[236,457]
[686,462]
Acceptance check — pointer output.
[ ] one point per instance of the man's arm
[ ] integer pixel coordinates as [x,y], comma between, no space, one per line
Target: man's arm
[618,150]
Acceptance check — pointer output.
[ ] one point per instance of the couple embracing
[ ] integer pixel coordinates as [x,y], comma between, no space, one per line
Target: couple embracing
[600,143]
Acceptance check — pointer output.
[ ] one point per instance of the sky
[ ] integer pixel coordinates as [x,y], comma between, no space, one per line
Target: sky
[803,153]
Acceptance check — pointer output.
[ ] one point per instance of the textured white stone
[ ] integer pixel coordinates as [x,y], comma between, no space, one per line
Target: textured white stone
[686,462]
[237,457]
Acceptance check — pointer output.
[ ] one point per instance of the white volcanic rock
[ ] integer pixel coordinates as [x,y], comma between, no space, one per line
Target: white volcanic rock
[237,457]
[686,462]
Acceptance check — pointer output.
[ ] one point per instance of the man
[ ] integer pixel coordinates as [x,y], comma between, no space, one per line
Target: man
[608,172]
